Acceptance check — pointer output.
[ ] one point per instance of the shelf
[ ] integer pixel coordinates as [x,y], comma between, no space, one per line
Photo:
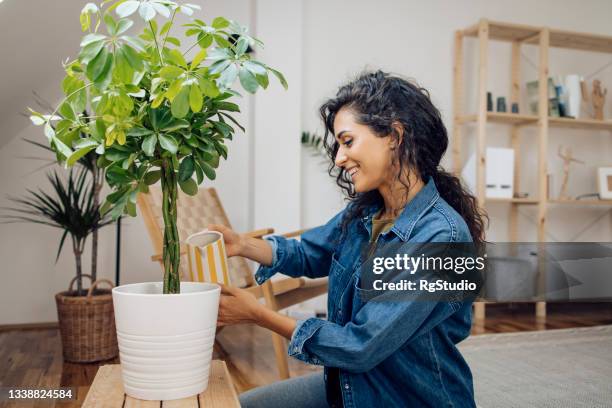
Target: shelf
[528,201]
[558,38]
[581,202]
[533,201]
[524,120]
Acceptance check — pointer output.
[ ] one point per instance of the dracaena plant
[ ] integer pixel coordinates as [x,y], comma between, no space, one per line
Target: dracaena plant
[153,112]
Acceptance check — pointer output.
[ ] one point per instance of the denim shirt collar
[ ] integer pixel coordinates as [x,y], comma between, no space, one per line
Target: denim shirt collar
[412,212]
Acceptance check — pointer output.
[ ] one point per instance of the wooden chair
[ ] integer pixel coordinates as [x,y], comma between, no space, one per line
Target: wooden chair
[194,214]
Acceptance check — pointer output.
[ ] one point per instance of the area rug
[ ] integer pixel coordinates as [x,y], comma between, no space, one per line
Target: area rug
[542,369]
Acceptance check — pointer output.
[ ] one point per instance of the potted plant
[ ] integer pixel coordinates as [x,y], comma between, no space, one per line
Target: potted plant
[86,318]
[157,114]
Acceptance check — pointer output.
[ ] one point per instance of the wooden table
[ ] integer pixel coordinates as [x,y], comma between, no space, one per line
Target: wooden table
[107,391]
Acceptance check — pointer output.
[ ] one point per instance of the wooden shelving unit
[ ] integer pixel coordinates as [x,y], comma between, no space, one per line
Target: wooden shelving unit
[518,35]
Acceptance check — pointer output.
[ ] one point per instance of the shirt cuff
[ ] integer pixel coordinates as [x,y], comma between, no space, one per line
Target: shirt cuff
[304,330]
[264,273]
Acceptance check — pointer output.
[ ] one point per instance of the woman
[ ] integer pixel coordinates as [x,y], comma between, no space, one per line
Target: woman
[386,139]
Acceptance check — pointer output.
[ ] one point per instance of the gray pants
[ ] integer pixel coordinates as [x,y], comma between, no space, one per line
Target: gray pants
[300,392]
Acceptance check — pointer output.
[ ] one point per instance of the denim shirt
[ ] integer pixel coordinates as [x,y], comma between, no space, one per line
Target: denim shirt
[388,354]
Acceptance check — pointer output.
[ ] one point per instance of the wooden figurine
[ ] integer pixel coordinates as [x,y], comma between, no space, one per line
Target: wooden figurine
[567,160]
[598,99]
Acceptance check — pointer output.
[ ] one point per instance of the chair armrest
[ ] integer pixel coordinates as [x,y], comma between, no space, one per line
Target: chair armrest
[260,232]
[294,233]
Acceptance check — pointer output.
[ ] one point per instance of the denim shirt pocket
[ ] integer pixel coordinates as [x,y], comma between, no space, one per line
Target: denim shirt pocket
[336,276]
[361,296]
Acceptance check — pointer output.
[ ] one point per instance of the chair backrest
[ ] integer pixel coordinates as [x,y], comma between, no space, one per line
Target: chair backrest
[194,213]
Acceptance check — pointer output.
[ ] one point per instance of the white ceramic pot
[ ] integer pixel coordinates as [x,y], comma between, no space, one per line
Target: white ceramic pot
[165,341]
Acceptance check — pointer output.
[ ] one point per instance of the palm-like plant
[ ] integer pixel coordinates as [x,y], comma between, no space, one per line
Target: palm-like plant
[71,207]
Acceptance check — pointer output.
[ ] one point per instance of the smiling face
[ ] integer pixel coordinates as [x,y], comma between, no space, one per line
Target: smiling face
[366,157]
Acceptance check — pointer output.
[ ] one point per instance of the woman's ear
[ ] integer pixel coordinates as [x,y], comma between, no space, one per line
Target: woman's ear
[397,135]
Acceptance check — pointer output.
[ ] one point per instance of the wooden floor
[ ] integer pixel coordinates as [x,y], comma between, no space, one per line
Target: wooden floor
[33,358]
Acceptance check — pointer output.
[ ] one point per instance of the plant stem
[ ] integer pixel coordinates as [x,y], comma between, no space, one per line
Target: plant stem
[168,32]
[77,257]
[171,251]
[161,59]
[97,186]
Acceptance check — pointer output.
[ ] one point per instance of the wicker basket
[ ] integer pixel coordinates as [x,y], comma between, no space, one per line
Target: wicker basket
[87,324]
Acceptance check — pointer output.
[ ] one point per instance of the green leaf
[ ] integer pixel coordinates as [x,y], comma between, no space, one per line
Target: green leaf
[205,40]
[115,175]
[170,72]
[160,118]
[195,98]
[175,124]
[123,25]
[99,69]
[263,80]
[223,128]
[165,28]
[180,104]
[111,24]
[186,169]
[152,177]
[67,111]
[87,142]
[75,156]
[168,143]
[176,57]
[208,87]
[228,76]
[219,66]
[185,150]
[148,145]
[280,77]
[228,106]
[134,42]
[241,46]
[90,38]
[174,89]
[189,187]
[199,57]
[133,57]
[123,69]
[139,131]
[209,171]
[126,8]
[256,69]
[199,173]
[248,80]
[174,41]
[222,149]
[220,22]
[90,51]
[61,148]
[222,41]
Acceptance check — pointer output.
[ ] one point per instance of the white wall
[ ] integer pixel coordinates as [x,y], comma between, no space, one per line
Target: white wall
[267,181]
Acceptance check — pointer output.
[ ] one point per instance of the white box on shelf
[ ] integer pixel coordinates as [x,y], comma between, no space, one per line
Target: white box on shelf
[499,172]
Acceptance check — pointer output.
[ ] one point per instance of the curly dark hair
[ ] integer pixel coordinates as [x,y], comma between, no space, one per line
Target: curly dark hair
[381,101]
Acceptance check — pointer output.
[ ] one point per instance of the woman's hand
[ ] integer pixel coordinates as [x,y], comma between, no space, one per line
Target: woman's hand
[234,242]
[237,306]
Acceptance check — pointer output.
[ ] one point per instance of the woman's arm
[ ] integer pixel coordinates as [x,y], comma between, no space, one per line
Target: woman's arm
[239,306]
[255,249]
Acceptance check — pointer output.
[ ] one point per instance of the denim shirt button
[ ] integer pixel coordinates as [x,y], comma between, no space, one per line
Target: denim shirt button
[346,386]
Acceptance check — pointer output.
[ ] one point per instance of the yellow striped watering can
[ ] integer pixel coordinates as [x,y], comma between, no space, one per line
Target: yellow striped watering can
[207,258]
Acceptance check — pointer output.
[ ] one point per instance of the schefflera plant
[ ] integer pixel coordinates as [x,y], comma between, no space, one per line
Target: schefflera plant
[148,112]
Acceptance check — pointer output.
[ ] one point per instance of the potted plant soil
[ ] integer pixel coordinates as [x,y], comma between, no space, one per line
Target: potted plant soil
[159,112]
